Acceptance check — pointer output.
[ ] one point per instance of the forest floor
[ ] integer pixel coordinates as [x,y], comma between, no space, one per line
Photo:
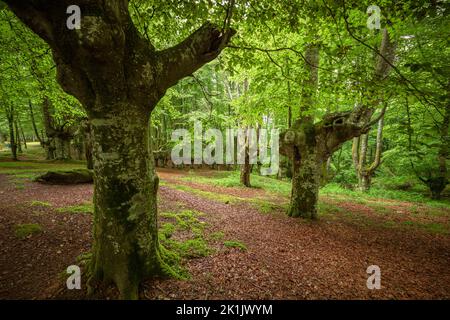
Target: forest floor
[233,242]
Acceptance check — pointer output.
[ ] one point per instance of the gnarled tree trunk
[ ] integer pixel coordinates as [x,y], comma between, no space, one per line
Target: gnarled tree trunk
[305,176]
[119,77]
[310,144]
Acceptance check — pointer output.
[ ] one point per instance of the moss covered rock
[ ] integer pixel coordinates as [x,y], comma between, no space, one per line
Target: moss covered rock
[66,177]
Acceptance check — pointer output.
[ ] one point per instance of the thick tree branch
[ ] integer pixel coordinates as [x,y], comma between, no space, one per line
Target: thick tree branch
[199,48]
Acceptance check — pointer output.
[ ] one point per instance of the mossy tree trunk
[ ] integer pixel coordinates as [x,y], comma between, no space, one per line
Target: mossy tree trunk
[125,228]
[305,184]
[309,144]
[118,76]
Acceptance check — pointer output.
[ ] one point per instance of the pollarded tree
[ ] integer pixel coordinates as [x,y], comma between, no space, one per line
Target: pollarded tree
[309,144]
[119,76]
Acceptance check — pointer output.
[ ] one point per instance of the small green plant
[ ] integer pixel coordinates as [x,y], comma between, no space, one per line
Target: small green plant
[18,184]
[185,220]
[22,231]
[326,208]
[166,230]
[235,244]
[193,248]
[219,235]
[264,206]
[37,203]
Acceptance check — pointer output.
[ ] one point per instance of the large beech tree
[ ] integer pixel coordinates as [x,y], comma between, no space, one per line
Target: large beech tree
[309,144]
[119,77]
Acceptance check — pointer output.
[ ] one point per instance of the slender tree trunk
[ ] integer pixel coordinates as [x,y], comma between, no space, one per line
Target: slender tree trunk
[33,122]
[17,135]
[364,171]
[12,138]
[24,139]
[246,167]
[49,143]
[87,135]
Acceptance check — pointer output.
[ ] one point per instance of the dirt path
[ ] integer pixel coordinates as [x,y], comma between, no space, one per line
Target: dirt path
[285,258]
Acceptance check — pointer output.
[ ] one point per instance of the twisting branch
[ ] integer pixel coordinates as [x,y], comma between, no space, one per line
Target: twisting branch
[229,15]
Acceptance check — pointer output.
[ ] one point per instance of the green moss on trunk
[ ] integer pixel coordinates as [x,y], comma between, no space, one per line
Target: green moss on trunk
[126,248]
[305,177]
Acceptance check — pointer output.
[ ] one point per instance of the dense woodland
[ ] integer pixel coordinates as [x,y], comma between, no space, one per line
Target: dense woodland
[360,110]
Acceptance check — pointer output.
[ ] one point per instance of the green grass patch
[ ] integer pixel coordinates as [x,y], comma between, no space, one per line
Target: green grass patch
[219,235]
[23,231]
[375,193]
[235,244]
[87,207]
[37,203]
[261,205]
[325,208]
[380,208]
[186,220]
[224,198]
[264,207]
[433,227]
[29,169]
[232,179]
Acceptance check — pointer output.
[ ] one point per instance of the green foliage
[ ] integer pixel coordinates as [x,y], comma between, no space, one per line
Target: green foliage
[37,203]
[32,168]
[231,179]
[375,193]
[235,244]
[219,235]
[26,230]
